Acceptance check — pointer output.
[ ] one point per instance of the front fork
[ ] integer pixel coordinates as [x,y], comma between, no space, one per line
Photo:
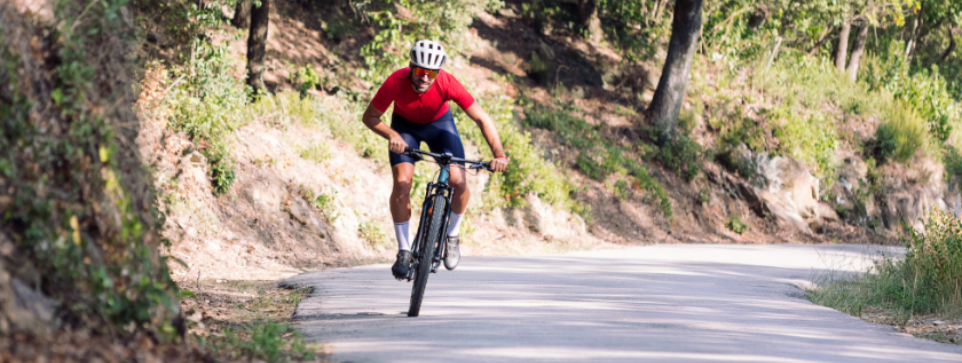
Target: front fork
[435,190]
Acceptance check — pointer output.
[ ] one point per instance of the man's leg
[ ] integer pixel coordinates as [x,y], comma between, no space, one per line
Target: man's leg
[401,213]
[459,204]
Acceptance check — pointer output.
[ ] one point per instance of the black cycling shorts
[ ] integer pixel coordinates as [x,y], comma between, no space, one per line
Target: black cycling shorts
[441,136]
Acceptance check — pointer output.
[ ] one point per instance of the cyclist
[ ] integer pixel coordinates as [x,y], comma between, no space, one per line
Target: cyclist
[420,94]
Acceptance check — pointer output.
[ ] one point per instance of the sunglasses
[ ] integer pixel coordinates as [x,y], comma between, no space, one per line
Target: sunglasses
[420,72]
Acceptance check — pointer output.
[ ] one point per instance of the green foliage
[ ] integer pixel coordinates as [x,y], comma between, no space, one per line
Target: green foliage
[811,140]
[924,91]
[207,106]
[269,341]
[900,136]
[86,238]
[529,172]
[307,79]
[325,203]
[441,21]
[372,232]
[682,155]
[953,162]
[316,152]
[924,281]
[735,224]
[704,196]
[338,25]
[597,157]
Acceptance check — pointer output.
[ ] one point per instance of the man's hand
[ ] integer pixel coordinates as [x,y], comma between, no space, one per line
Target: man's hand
[396,143]
[499,164]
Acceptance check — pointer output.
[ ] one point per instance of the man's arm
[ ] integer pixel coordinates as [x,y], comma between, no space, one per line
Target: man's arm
[372,119]
[481,118]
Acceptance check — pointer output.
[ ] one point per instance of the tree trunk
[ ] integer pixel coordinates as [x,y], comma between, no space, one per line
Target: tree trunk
[664,107]
[917,25]
[857,50]
[842,45]
[951,48]
[242,15]
[257,45]
[588,16]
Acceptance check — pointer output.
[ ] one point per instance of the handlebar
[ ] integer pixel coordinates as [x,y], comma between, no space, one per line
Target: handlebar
[447,158]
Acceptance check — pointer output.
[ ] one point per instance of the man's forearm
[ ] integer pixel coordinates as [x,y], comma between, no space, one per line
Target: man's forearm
[378,126]
[491,136]
[490,132]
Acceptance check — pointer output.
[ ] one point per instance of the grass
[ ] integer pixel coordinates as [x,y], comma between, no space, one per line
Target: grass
[246,320]
[927,280]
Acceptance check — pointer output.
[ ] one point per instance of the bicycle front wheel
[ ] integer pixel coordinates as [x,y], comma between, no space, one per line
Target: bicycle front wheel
[428,242]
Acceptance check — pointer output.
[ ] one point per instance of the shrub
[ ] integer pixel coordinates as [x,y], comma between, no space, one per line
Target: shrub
[899,136]
[811,140]
[79,215]
[735,224]
[682,155]
[924,281]
[207,106]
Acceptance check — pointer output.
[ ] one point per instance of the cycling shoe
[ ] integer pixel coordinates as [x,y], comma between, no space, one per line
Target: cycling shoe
[453,254]
[402,264]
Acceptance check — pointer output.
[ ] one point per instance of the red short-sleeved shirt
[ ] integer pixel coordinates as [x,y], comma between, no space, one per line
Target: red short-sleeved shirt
[420,108]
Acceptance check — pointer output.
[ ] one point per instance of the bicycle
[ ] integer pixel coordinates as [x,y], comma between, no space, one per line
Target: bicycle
[428,249]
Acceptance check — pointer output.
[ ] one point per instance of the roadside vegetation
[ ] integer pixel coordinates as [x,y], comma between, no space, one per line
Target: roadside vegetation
[81,229]
[924,282]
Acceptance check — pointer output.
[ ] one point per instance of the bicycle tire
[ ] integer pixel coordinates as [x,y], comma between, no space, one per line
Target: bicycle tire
[436,219]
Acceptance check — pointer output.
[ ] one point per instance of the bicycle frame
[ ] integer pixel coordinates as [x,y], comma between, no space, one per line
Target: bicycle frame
[440,189]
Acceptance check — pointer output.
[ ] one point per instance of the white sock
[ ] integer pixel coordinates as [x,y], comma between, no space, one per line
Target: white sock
[401,231]
[453,224]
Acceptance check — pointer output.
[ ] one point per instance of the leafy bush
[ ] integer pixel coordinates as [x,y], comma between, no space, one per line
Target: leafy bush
[811,140]
[899,136]
[926,91]
[924,281]
[529,172]
[735,224]
[307,79]
[207,106]
[76,204]
[682,155]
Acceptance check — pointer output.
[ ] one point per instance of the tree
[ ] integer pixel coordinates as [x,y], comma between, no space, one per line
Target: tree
[857,50]
[842,48]
[257,45]
[666,104]
[242,14]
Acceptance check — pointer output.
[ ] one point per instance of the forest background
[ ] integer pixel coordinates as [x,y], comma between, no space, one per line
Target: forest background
[134,148]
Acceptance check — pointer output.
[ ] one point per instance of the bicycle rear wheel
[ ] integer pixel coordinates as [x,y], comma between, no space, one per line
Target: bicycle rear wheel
[428,242]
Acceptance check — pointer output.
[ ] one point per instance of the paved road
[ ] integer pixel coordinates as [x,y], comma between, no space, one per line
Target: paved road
[664,303]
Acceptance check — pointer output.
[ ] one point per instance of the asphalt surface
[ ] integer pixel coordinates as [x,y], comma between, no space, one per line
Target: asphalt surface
[663,303]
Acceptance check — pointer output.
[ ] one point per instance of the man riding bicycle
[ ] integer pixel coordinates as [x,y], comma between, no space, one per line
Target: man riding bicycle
[420,94]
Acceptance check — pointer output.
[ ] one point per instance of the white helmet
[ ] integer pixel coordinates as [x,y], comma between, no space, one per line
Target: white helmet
[428,54]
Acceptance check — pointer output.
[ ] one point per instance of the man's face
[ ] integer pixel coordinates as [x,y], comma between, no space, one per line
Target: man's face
[421,84]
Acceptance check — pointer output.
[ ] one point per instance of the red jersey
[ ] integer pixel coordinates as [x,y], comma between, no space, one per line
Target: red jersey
[420,108]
